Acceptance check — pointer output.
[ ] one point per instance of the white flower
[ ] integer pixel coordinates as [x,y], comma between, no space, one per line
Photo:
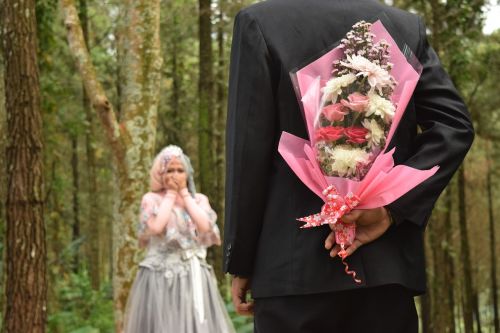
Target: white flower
[381,107]
[376,132]
[346,158]
[334,86]
[377,76]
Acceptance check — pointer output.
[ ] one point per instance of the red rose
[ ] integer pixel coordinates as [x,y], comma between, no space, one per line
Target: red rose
[329,133]
[356,134]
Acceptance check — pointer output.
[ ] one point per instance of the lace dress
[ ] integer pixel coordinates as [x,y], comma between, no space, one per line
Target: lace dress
[175,290]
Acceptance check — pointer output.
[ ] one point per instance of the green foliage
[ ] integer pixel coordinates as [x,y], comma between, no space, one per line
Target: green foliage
[46,12]
[82,309]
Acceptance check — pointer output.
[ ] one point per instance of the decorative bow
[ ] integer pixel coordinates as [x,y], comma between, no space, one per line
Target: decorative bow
[194,256]
[334,208]
[332,211]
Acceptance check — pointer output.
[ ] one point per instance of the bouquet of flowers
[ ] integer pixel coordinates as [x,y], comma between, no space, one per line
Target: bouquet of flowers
[353,98]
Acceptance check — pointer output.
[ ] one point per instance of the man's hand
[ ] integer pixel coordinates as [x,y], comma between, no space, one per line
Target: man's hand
[370,225]
[239,290]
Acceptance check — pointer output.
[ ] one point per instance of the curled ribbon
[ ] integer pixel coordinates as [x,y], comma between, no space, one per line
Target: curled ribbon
[332,211]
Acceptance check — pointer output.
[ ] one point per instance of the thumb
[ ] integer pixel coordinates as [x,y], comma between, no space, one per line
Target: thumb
[352,216]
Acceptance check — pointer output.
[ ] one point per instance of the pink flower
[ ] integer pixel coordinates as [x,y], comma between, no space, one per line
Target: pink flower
[334,112]
[356,102]
[329,133]
[356,134]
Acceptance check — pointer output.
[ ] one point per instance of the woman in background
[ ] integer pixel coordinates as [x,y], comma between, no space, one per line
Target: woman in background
[175,290]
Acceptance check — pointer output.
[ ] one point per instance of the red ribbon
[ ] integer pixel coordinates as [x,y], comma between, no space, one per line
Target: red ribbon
[332,211]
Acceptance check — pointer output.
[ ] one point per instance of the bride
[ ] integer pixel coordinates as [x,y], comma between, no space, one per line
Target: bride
[175,290]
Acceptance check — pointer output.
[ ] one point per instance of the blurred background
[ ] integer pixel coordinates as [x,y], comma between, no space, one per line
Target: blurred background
[157,75]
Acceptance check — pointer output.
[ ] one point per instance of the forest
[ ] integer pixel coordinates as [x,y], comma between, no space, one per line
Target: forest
[111,82]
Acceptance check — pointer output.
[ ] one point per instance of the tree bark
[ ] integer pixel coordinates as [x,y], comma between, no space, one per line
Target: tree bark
[132,139]
[26,282]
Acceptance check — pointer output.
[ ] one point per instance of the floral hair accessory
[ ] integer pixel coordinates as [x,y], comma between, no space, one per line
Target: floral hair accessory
[167,154]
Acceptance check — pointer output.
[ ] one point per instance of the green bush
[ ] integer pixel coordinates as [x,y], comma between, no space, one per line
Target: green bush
[82,309]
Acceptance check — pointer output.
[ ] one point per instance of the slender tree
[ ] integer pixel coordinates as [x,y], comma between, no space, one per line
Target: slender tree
[76,203]
[206,112]
[218,130]
[468,297]
[132,137]
[493,263]
[3,170]
[425,300]
[93,215]
[449,265]
[26,284]
[206,100]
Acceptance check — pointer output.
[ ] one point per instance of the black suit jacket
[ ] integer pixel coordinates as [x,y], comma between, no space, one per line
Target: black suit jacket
[264,197]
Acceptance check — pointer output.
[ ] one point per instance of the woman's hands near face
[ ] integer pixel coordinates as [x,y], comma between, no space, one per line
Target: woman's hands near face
[170,183]
[175,177]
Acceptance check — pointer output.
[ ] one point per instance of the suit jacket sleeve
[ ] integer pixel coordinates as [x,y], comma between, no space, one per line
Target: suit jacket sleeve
[250,136]
[446,136]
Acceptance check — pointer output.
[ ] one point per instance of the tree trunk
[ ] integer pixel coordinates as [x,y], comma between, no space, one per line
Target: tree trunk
[449,266]
[493,257]
[132,139]
[218,200]
[425,306]
[76,209]
[435,278]
[3,171]
[477,316]
[141,65]
[442,316]
[94,226]
[26,282]
[206,108]
[205,90]
[468,309]
[176,116]
[426,299]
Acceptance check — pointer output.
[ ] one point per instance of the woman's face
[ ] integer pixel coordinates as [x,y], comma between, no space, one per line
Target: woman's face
[175,171]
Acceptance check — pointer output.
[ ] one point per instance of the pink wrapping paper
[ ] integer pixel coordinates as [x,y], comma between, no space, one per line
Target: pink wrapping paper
[384,182]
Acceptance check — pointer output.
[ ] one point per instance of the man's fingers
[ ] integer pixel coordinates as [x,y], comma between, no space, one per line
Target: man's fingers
[330,240]
[239,292]
[335,251]
[354,246]
[245,309]
[352,216]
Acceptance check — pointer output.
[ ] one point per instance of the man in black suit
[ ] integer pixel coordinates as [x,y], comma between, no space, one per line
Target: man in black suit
[297,281]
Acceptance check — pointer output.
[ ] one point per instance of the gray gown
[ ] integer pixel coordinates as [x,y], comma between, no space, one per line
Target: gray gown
[175,290]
